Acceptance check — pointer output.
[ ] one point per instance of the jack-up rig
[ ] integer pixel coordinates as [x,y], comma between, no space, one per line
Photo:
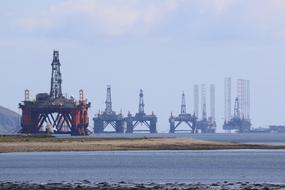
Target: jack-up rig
[141,118]
[183,117]
[55,113]
[238,123]
[206,124]
[108,117]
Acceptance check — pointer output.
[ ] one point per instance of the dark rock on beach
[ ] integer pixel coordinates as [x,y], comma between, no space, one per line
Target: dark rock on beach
[87,185]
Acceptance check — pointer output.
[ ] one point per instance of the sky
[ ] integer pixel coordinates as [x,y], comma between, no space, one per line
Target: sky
[161,46]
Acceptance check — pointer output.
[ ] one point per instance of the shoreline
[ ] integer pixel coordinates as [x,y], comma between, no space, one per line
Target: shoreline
[87,185]
[28,143]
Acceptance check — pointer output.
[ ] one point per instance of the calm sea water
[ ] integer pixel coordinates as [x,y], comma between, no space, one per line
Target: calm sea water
[145,166]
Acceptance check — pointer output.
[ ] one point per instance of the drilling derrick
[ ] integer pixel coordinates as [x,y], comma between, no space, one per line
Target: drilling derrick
[54,113]
[237,109]
[108,101]
[108,117]
[141,104]
[55,87]
[183,104]
[183,117]
[141,118]
[238,123]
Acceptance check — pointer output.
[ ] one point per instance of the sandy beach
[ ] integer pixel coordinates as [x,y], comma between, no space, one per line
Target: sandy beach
[49,143]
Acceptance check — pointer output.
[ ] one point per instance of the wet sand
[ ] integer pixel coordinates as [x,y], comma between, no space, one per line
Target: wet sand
[48,143]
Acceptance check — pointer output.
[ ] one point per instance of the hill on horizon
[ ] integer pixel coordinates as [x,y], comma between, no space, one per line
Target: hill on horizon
[9,121]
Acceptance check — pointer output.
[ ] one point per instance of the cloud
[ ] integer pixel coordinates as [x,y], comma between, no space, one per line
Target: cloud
[200,19]
[111,17]
[266,18]
[240,20]
[216,6]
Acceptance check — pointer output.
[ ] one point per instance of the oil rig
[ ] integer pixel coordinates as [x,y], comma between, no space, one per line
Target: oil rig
[240,122]
[53,112]
[108,117]
[183,117]
[141,118]
[205,124]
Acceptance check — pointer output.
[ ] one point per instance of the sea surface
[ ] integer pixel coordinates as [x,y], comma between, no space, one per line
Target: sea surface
[145,166]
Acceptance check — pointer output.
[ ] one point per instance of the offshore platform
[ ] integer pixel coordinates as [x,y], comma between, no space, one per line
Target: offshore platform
[206,124]
[238,123]
[141,119]
[108,117]
[53,112]
[183,117]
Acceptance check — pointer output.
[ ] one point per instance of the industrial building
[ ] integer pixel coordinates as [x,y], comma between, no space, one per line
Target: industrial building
[53,112]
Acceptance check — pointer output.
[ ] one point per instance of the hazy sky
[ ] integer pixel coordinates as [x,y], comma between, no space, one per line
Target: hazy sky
[161,46]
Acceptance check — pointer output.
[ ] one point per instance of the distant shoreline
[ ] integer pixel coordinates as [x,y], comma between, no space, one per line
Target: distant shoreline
[28,143]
